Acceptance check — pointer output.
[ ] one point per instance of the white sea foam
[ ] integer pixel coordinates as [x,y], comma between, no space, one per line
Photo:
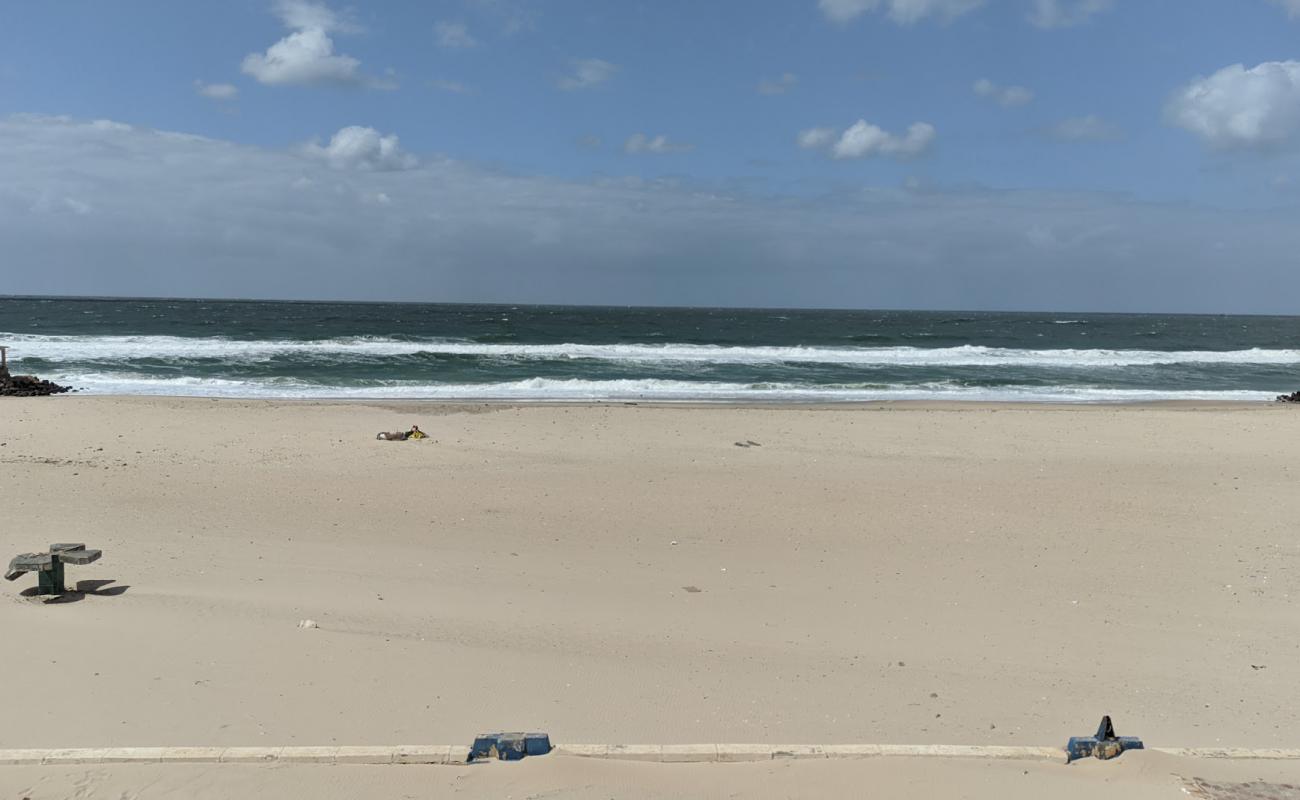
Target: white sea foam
[120,348]
[555,390]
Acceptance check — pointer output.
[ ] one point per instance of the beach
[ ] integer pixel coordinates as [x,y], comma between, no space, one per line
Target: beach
[878,573]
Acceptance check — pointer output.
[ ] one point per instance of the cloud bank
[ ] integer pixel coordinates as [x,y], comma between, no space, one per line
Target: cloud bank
[112,209]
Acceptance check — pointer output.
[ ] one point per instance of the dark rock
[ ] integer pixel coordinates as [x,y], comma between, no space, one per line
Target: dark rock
[28,386]
[1294,397]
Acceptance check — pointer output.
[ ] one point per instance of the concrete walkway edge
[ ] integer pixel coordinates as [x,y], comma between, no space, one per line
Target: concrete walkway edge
[658,753]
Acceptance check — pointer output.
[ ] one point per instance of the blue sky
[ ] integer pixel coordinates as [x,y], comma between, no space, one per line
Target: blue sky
[1062,153]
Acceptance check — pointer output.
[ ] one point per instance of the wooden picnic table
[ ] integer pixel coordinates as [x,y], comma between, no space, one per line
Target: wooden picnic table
[48,566]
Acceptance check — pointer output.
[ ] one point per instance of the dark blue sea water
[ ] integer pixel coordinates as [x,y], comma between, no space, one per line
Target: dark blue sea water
[539,353]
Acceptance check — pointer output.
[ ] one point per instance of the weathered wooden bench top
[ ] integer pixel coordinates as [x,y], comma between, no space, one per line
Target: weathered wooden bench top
[49,565]
[75,553]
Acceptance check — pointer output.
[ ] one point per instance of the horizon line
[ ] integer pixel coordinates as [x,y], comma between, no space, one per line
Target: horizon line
[507,304]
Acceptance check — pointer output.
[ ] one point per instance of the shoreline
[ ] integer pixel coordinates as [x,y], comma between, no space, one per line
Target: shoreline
[812,405]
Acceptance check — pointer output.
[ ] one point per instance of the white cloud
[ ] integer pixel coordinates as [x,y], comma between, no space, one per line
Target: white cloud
[817,138]
[588,73]
[306,56]
[903,12]
[455,87]
[305,14]
[781,85]
[1292,7]
[1005,96]
[845,10]
[514,17]
[77,207]
[1049,14]
[640,143]
[863,140]
[357,147]
[45,204]
[216,91]
[1089,128]
[453,35]
[1239,108]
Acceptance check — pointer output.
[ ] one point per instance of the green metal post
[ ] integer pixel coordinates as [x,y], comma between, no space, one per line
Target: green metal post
[51,581]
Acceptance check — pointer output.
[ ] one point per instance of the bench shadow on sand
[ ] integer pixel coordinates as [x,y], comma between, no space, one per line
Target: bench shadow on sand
[84,589]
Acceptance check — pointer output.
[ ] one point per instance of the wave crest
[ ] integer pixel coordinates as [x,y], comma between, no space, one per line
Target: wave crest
[59,349]
[571,390]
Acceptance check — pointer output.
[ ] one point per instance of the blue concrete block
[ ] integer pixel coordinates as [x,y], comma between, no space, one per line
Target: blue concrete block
[509,746]
[1103,745]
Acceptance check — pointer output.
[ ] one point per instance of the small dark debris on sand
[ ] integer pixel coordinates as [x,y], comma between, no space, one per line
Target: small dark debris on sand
[747,443]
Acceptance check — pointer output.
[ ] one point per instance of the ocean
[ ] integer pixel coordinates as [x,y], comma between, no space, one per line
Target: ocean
[221,348]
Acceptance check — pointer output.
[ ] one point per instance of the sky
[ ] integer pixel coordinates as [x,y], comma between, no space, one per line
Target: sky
[1103,155]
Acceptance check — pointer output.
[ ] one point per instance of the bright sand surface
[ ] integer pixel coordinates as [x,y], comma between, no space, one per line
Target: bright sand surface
[877,574]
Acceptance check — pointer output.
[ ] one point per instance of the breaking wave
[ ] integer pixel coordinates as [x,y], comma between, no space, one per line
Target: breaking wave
[573,390]
[124,348]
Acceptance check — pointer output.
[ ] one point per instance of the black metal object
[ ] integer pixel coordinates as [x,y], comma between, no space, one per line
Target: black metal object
[49,566]
[1104,745]
[509,746]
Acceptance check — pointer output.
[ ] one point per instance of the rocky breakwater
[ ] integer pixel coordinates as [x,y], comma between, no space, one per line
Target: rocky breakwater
[27,386]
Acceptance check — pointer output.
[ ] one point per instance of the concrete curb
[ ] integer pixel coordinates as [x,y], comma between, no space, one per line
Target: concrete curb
[401,754]
[1272,754]
[736,753]
[656,753]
